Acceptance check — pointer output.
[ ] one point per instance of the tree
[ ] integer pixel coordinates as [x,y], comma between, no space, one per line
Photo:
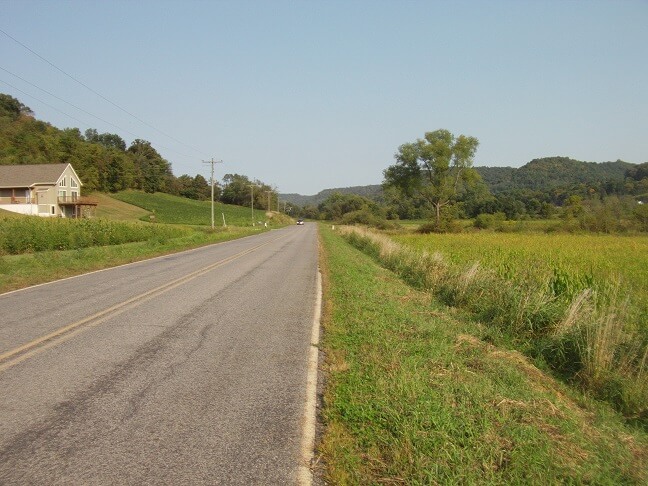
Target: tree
[435,168]
[13,108]
[108,140]
[337,205]
[196,187]
[153,173]
[236,190]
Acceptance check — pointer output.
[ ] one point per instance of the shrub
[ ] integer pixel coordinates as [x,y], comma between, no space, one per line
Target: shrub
[640,214]
[367,218]
[484,221]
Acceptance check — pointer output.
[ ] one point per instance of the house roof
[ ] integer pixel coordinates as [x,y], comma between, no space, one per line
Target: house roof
[29,175]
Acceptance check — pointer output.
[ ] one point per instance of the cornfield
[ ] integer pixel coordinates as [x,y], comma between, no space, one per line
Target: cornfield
[35,234]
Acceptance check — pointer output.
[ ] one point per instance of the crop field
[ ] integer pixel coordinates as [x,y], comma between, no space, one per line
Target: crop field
[178,210]
[35,234]
[584,259]
[35,250]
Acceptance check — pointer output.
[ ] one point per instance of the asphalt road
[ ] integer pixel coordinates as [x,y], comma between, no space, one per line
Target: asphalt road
[185,369]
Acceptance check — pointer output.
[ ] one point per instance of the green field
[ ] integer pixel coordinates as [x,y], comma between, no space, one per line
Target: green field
[35,250]
[165,208]
[586,257]
[418,394]
[574,304]
[111,208]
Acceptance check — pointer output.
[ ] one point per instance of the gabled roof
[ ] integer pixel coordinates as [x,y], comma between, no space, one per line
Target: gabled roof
[29,175]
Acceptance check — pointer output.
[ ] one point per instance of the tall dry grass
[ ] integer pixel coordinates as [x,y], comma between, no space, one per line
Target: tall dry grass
[584,334]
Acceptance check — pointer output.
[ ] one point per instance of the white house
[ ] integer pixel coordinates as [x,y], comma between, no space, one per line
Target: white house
[43,190]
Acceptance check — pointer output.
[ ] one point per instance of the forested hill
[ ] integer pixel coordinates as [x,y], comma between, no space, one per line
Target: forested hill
[552,172]
[373,192]
[102,160]
[545,175]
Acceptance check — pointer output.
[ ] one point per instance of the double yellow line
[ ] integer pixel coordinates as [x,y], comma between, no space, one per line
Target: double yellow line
[12,357]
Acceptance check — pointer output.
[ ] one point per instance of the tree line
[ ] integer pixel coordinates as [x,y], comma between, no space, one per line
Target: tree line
[434,179]
[106,163]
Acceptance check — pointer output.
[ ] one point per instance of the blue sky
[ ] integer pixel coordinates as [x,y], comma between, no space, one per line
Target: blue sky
[309,95]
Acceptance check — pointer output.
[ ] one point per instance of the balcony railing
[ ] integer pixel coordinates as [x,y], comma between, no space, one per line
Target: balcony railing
[17,200]
[77,200]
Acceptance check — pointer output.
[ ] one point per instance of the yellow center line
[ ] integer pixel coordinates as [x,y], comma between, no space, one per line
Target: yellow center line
[14,356]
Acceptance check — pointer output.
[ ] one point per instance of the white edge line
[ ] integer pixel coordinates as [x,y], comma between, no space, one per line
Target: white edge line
[126,264]
[310,410]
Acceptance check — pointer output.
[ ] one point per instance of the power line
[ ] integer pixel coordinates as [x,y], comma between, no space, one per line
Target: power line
[45,103]
[78,108]
[64,101]
[99,94]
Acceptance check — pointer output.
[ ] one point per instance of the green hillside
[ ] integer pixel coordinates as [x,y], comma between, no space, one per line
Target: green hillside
[165,208]
[110,208]
[542,174]
[551,172]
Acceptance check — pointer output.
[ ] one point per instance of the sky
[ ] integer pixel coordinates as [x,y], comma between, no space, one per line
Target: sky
[311,95]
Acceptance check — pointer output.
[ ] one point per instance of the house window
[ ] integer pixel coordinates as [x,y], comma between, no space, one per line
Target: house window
[62,195]
[62,182]
[75,195]
[73,182]
[53,209]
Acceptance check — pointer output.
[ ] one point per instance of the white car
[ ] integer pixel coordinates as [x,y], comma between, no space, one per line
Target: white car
[300,222]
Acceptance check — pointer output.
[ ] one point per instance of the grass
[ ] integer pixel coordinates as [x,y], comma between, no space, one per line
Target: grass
[111,208]
[9,214]
[596,256]
[416,396]
[583,330]
[178,210]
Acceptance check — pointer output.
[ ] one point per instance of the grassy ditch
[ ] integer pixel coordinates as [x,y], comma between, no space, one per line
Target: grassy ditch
[582,332]
[416,396]
[18,271]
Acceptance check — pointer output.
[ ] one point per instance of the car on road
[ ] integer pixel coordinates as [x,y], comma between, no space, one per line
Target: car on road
[300,221]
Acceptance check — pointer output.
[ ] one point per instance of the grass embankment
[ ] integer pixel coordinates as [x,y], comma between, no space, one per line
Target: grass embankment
[178,210]
[114,209]
[415,396]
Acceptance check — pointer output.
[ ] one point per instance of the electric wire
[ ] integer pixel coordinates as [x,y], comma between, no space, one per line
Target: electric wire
[45,103]
[64,101]
[80,109]
[100,95]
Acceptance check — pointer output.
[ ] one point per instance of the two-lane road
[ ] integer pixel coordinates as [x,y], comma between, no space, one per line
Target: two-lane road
[185,369]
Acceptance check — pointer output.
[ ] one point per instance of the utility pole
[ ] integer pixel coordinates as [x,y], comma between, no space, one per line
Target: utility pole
[268,193]
[212,162]
[252,186]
